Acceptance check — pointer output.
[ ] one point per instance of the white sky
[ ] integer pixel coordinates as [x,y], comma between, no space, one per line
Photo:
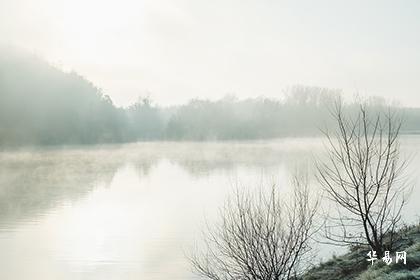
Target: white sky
[174,50]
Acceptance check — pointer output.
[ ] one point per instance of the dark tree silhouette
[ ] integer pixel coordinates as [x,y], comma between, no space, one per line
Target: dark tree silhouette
[363,177]
[260,237]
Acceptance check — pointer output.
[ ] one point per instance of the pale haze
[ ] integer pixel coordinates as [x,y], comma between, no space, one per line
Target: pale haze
[209,139]
[173,51]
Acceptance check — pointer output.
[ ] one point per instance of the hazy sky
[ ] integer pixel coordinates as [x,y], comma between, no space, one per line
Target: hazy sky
[174,50]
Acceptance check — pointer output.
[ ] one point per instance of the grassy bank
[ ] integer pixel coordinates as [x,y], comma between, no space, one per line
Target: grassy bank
[354,265]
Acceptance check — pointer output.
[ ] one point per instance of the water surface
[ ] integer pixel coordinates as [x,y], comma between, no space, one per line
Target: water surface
[133,211]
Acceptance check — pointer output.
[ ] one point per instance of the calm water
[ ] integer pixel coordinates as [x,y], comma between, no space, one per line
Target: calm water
[133,211]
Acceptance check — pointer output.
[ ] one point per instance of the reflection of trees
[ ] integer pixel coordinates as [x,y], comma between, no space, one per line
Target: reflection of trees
[33,182]
[202,159]
[144,156]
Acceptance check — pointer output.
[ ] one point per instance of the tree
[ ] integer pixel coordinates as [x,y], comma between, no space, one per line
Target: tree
[363,177]
[259,237]
[145,120]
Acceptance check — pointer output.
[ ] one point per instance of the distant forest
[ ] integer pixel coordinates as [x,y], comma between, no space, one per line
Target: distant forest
[42,105]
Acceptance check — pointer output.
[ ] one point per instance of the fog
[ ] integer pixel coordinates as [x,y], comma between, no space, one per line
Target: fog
[42,105]
[179,50]
[127,127]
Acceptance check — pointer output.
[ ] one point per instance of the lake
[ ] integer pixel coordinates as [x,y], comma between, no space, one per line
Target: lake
[135,211]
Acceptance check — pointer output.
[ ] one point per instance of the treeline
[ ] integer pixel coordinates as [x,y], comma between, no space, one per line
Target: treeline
[42,105]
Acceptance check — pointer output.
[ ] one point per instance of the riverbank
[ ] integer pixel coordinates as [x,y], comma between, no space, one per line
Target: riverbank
[354,265]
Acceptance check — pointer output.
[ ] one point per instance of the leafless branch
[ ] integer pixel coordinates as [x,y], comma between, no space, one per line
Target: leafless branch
[363,176]
[260,236]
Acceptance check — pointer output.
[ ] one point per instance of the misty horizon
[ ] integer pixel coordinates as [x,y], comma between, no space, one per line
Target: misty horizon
[42,105]
[209,140]
[178,51]
[285,92]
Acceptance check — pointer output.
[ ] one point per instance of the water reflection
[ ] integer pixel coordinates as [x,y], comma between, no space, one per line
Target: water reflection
[33,182]
[127,211]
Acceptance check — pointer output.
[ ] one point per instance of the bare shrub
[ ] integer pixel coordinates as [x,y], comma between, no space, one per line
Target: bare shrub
[260,237]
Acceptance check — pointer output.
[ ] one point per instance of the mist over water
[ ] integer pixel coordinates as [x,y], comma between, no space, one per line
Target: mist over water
[146,139]
[134,211]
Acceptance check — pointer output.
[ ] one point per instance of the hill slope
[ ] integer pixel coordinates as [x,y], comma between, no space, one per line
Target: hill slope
[40,104]
[354,265]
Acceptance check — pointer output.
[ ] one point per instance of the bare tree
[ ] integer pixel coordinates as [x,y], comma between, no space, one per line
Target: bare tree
[363,176]
[260,237]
